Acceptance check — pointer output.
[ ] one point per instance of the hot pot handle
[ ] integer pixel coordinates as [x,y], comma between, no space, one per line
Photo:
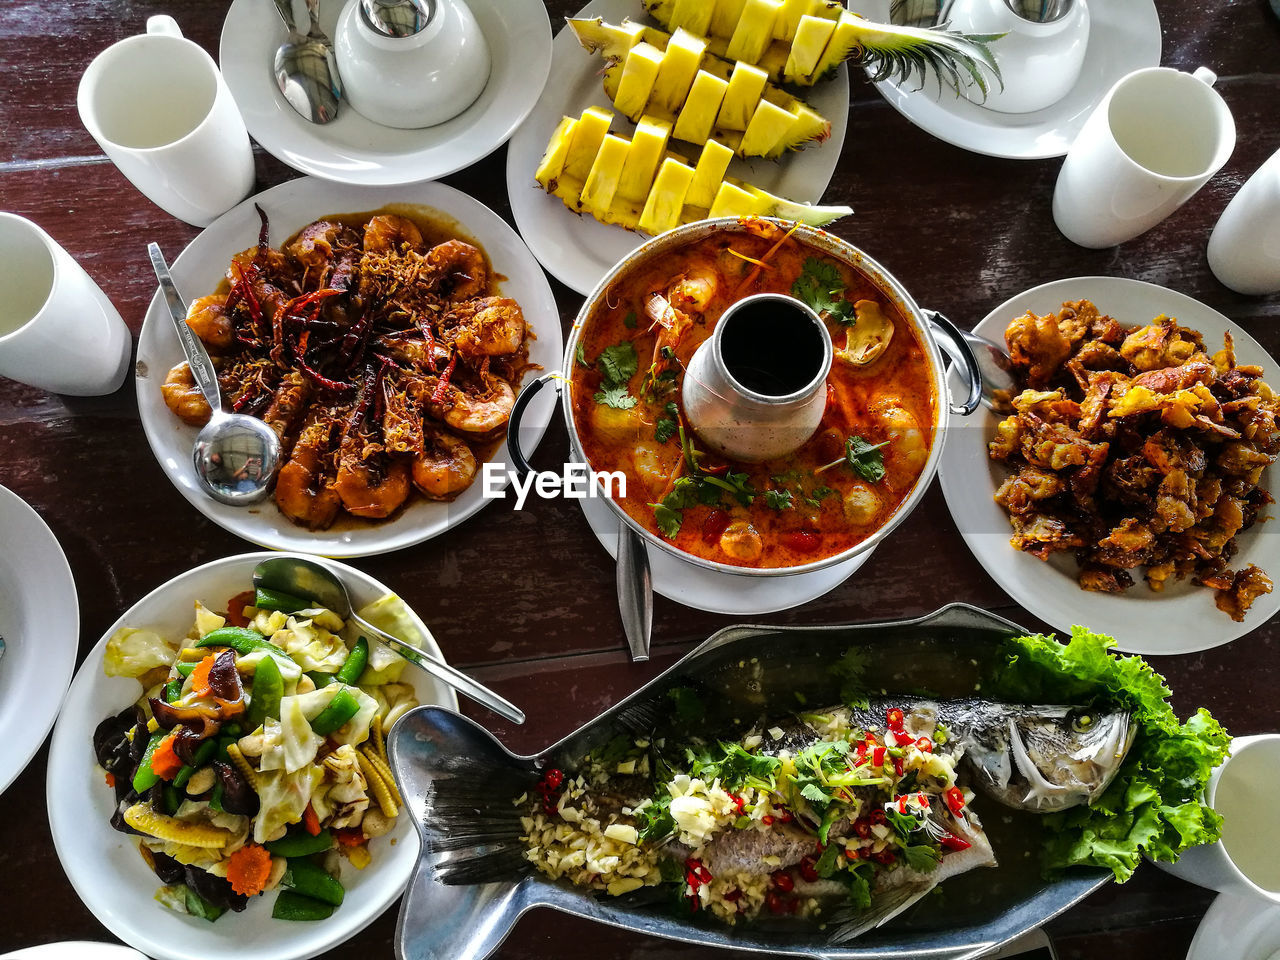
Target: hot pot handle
[954,345]
[517,414]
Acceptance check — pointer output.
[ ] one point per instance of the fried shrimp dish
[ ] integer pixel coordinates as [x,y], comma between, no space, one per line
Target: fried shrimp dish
[384,362]
[1135,448]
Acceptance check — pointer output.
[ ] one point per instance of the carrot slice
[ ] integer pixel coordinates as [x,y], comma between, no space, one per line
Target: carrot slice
[165,762]
[248,870]
[200,676]
[310,821]
[348,836]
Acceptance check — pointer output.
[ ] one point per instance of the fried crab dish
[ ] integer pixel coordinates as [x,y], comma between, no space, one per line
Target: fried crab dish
[1134,448]
[384,363]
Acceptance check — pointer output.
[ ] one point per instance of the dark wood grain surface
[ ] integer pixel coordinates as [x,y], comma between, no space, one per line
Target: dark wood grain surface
[526,600]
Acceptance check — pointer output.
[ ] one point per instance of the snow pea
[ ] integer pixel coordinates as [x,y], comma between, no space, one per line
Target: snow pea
[265,694]
[294,906]
[146,778]
[312,881]
[355,663]
[265,599]
[240,639]
[341,708]
[299,843]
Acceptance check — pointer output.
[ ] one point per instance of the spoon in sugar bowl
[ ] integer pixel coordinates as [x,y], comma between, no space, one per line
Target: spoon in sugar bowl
[235,456]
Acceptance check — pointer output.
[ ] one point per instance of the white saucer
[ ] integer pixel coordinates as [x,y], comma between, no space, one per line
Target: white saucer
[579,250]
[722,592]
[1125,36]
[352,149]
[1237,928]
[75,950]
[1182,619]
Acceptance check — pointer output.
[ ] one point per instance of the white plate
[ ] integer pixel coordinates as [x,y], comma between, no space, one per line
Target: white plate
[103,865]
[74,950]
[1237,928]
[1182,619]
[1125,36]
[291,206]
[352,149]
[579,250]
[40,625]
[718,592]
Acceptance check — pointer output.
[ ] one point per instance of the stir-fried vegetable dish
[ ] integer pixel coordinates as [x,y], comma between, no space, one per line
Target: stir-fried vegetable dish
[255,758]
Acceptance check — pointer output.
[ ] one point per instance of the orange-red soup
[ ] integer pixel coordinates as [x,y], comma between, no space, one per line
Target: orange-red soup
[803,508]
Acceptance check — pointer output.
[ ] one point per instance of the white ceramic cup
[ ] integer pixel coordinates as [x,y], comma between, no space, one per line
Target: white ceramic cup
[1040,51]
[162,113]
[58,330]
[1244,248]
[1154,140]
[1244,790]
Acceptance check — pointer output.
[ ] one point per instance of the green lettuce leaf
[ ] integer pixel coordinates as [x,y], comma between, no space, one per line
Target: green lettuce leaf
[1154,806]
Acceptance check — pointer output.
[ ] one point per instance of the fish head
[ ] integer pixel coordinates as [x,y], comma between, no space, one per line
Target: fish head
[1049,758]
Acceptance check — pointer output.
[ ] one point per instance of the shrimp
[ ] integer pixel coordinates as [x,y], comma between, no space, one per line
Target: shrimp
[483,412]
[463,265]
[208,320]
[694,289]
[183,397]
[410,347]
[401,418]
[287,404]
[689,293]
[490,327]
[304,487]
[389,233]
[906,439]
[370,483]
[315,244]
[445,467]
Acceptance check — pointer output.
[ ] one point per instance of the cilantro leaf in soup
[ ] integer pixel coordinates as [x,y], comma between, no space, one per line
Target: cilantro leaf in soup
[821,287]
[865,458]
[618,363]
[666,426]
[580,355]
[630,320]
[778,499]
[669,520]
[615,396]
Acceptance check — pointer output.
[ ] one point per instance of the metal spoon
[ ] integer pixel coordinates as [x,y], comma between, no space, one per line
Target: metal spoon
[305,68]
[993,363]
[635,592]
[235,456]
[314,581]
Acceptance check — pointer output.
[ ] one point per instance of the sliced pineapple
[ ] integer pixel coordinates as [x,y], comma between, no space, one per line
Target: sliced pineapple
[680,63]
[766,131]
[810,42]
[588,132]
[698,115]
[635,84]
[754,32]
[620,186]
[665,204]
[693,15]
[552,165]
[725,17]
[679,73]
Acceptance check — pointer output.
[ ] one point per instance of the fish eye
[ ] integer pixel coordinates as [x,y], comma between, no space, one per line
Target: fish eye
[1082,722]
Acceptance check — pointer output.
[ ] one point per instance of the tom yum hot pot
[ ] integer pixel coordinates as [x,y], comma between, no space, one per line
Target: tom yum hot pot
[775,399]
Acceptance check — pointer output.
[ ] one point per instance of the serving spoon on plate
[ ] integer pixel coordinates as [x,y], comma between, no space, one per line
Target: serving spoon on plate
[235,456]
[314,581]
[305,68]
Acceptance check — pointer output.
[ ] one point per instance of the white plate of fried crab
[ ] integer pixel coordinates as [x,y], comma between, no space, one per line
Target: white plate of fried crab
[386,350]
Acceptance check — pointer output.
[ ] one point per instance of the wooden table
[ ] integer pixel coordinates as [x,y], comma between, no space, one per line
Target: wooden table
[525,601]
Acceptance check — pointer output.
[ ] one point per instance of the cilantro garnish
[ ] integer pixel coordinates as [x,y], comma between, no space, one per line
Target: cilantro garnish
[863,458]
[697,487]
[666,426]
[821,287]
[630,320]
[851,669]
[921,858]
[617,364]
[778,499]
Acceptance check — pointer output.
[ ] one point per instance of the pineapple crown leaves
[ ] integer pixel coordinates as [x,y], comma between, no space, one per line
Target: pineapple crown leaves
[888,51]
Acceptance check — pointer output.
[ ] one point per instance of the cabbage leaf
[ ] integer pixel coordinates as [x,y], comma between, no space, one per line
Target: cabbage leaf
[131,653]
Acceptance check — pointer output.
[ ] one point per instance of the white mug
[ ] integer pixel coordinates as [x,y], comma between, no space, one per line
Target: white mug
[1243,790]
[1244,248]
[1154,140]
[162,113]
[58,330]
[1040,51]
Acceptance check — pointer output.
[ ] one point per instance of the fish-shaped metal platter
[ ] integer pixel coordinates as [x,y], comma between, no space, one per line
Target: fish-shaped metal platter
[748,672]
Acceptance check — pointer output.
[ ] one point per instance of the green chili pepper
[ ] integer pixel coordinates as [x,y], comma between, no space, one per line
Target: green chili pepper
[321,679]
[299,843]
[341,708]
[172,691]
[294,906]
[265,599]
[146,778]
[184,667]
[312,881]
[204,753]
[240,639]
[265,694]
[355,663]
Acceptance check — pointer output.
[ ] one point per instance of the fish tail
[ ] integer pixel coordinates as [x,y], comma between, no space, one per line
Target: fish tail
[846,923]
[460,784]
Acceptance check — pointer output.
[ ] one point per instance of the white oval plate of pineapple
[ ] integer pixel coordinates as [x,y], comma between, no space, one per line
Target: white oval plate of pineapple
[635,179]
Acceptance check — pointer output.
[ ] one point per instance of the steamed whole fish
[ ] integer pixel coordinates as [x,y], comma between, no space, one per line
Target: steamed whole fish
[844,816]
